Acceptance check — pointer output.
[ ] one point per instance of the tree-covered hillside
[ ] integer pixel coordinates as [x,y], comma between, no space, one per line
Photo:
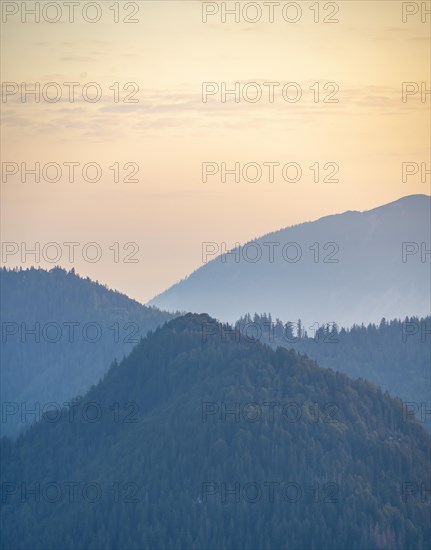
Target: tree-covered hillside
[60,333]
[196,441]
[394,354]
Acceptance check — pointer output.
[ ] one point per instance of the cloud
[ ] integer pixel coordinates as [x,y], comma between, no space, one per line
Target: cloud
[166,109]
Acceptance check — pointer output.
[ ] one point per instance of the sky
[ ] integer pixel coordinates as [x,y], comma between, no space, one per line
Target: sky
[341,65]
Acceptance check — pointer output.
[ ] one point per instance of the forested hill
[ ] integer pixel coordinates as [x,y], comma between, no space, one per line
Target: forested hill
[60,333]
[196,441]
[394,354]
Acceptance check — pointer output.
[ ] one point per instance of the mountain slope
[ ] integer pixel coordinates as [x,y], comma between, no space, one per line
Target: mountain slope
[337,469]
[396,355]
[354,271]
[60,332]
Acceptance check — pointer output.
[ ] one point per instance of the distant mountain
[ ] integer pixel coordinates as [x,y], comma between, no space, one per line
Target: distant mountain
[60,333]
[347,268]
[394,354]
[198,441]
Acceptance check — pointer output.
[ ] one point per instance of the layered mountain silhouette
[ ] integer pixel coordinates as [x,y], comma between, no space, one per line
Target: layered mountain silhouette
[355,267]
[206,441]
[60,333]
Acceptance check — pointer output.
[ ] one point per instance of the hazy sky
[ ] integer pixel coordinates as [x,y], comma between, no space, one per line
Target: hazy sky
[169,132]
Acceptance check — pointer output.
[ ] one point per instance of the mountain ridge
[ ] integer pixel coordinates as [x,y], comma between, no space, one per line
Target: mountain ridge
[79,327]
[343,246]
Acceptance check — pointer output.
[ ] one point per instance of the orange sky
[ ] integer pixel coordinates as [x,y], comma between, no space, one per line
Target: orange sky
[169,132]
